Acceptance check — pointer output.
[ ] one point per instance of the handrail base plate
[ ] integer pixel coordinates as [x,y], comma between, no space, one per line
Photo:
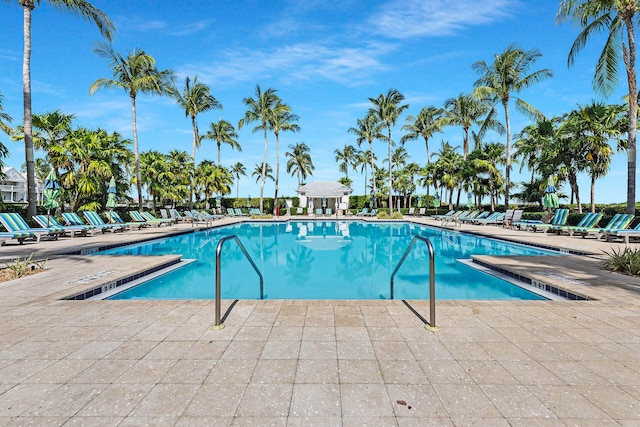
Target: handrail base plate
[217,327]
[432,328]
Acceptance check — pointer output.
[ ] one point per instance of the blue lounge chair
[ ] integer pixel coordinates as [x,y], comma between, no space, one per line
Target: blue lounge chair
[137,217]
[494,218]
[363,212]
[617,223]
[150,217]
[589,220]
[14,223]
[624,234]
[47,221]
[559,219]
[94,219]
[115,218]
[481,215]
[7,236]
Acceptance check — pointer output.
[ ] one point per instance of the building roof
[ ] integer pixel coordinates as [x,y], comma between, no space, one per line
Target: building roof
[324,189]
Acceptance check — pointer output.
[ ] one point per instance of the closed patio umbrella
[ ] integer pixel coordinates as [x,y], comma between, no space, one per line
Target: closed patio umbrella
[111,195]
[550,199]
[51,192]
[469,200]
[436,202]
[419,201]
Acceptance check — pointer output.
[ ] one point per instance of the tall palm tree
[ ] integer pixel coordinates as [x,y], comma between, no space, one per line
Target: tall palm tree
[154,170]
[346,159]
[196,98]
[299,162]
[135,73]
[260,110]
[387,108]
[282,120]
[181,169]
[223,132]
[617,18]
[367,130]
[509,74]
[237,170]
[532,141]
[81,8]
[425,124]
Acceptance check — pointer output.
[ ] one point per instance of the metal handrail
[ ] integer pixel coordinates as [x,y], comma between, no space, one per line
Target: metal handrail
[219,324]
[432,280]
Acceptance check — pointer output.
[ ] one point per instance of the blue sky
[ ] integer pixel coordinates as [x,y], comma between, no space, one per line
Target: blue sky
[325,58]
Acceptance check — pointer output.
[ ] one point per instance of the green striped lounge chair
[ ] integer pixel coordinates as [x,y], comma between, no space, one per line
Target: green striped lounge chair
[73,230]
[115,218]
[136,216]
[494,218]
[19,236]
[618,222]
[559,219]
[625,234]
[150,217]
[481,215]
[588,220]
[363,212]
[94,219]
[14,223]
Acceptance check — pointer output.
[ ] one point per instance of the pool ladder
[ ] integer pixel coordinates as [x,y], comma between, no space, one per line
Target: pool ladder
[218,323]
[431,326]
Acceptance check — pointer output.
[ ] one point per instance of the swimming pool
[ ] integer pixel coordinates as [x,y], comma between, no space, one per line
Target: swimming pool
[327,260]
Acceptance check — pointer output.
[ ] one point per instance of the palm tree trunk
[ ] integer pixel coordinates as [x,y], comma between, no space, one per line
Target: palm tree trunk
[465,146]
[390,176]
[264,169]
[633,114]
[275,197]
[593,193]
[373,174]
[508,156]
[136,152]
[426,144]
[219,147]
[26,93]
[194,126]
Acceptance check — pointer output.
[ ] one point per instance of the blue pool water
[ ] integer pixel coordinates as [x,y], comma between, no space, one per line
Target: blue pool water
[327,260]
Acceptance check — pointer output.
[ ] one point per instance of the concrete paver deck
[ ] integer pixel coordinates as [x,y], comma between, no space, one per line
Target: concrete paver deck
[292,362]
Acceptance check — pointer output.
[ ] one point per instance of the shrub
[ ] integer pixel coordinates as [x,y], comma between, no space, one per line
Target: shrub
[383,214]
[625,261]
[397,215]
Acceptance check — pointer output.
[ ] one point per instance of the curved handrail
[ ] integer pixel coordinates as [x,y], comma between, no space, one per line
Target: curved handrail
[432,281]
[218,324]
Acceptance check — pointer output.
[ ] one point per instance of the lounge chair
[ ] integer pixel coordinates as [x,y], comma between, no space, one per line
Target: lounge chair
[136,216]
[625,234]
[328,212]
[617,223]
[7,236]
[481,215]
[559,219]
[239,212]
[588,220]
[318,212]
[494,218]
[47,221]
[94,219]
[150,217]
[412,211]
[517,216]
[447,215]
[173,213]
[422,211]
[115,218]
[72,218]
[372,212]
[363,212]
[14,223]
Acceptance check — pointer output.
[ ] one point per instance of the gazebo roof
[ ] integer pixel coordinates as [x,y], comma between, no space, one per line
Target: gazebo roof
[324,189]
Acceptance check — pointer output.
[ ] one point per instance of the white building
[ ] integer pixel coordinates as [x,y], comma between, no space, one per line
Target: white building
[324,194]
[14,187]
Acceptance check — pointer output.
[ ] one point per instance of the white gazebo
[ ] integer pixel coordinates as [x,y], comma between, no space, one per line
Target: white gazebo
[324,194]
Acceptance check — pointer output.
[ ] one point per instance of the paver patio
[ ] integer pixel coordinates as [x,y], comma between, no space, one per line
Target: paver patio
[302,363]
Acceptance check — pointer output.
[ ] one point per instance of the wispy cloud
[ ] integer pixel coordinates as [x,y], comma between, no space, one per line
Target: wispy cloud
[301,61]
[404,19]
[10,55]
[167,28]
[193,27]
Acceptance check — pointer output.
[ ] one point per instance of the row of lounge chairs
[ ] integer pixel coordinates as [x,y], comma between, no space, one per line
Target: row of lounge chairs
[481,218]
[367,212]
[18,230]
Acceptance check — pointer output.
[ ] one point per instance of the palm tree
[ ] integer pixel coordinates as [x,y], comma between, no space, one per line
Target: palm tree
[282,120]
[387,108]
[532,141]
[135,73]
[223,132]
[260,110]
[509,74]
[181,171]
[425,124]
[196,98]
[364,159]
[77,7]
[616,18]
[154,170]
[345,159]
[237,170]
[299,162]
[367,130]
[268,172]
